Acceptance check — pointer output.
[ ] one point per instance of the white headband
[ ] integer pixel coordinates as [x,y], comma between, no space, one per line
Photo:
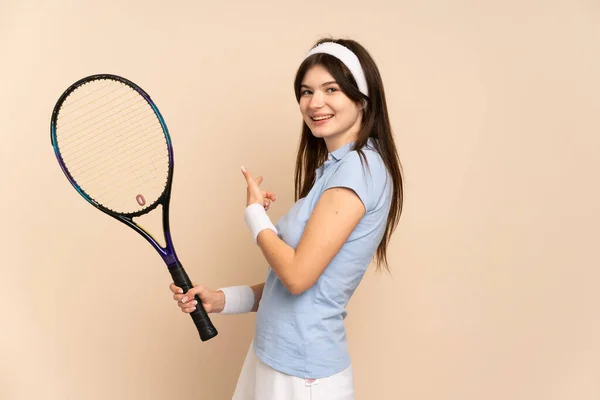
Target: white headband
[347,57]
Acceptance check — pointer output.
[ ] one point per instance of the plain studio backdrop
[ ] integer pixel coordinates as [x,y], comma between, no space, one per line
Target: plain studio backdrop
[495,110]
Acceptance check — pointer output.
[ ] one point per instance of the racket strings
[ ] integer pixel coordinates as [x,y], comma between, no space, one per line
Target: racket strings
[115,191]
[111,196]
[118,107]
[77,141]
[140,163]
[113,145]
[72,101]
[133,158]
[112,148]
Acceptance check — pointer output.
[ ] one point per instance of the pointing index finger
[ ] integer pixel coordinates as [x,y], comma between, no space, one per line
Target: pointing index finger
[248,176]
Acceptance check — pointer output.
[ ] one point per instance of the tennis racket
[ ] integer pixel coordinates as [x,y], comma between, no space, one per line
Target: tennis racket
[114,147]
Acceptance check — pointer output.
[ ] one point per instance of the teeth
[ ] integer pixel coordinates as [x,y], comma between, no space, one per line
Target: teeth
[322,117]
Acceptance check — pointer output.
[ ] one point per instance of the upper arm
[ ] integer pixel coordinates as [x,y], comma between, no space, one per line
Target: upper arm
[349,193]
[333,219]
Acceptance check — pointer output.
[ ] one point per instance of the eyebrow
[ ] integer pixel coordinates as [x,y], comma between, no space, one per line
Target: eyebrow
[324,84]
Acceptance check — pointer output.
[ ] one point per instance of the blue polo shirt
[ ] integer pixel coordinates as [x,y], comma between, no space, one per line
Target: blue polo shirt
[304,335]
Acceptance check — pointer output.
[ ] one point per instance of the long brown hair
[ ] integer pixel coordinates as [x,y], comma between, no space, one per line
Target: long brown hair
[312,151]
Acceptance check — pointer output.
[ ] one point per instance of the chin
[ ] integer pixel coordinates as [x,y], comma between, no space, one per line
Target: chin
[321,133]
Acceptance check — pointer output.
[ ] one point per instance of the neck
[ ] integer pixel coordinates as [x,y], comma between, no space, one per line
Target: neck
[335,143]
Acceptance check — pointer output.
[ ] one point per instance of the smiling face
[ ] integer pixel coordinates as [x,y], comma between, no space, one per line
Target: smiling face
[327,111]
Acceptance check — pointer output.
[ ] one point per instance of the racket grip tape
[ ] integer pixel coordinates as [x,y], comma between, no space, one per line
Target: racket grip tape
[203,323]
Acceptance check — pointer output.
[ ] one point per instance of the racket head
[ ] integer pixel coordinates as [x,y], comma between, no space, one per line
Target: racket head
[113,145]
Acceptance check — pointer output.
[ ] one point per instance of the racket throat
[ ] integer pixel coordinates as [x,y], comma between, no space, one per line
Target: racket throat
[153,222]
[171,260]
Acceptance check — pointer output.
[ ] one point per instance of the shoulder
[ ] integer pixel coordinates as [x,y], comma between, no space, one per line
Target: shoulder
[366,164]
[365,172]
[368,154]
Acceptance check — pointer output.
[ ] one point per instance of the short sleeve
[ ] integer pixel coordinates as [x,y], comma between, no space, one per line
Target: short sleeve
[366,179]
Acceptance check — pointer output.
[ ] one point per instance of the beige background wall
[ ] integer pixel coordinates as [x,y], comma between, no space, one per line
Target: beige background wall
[495,266]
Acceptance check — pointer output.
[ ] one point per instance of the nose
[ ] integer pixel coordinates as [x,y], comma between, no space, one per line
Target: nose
[317,100]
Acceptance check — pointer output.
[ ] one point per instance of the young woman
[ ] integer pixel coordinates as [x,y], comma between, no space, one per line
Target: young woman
[349,194]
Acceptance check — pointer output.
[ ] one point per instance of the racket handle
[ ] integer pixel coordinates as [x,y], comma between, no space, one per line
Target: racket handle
[199,316]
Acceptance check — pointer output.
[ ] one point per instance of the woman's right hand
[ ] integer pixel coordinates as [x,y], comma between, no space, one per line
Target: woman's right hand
[212,300]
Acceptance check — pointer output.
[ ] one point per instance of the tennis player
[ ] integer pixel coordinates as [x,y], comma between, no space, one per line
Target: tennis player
[349,192]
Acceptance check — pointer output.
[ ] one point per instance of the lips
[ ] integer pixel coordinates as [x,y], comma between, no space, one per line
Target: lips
[318,118]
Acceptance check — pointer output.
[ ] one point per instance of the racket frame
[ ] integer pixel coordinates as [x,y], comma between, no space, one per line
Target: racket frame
[168,254]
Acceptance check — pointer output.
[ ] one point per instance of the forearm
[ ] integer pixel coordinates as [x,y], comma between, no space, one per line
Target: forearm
[281,259]
[258,290]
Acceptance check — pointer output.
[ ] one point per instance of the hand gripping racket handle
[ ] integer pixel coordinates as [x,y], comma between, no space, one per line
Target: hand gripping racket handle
[203,324]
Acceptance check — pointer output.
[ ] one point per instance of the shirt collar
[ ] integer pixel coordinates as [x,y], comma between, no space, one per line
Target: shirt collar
[337,155]
[342,151]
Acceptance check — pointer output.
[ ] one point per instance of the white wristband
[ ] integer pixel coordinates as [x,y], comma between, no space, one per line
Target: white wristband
[257,220]
[238,300]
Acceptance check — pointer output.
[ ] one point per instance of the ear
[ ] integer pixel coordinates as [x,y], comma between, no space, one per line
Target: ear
[363,105]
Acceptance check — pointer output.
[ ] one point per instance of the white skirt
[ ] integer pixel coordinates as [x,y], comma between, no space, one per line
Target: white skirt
[258,381]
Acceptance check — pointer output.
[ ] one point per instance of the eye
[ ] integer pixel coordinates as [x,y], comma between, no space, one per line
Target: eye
[305,92]
[332,89]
